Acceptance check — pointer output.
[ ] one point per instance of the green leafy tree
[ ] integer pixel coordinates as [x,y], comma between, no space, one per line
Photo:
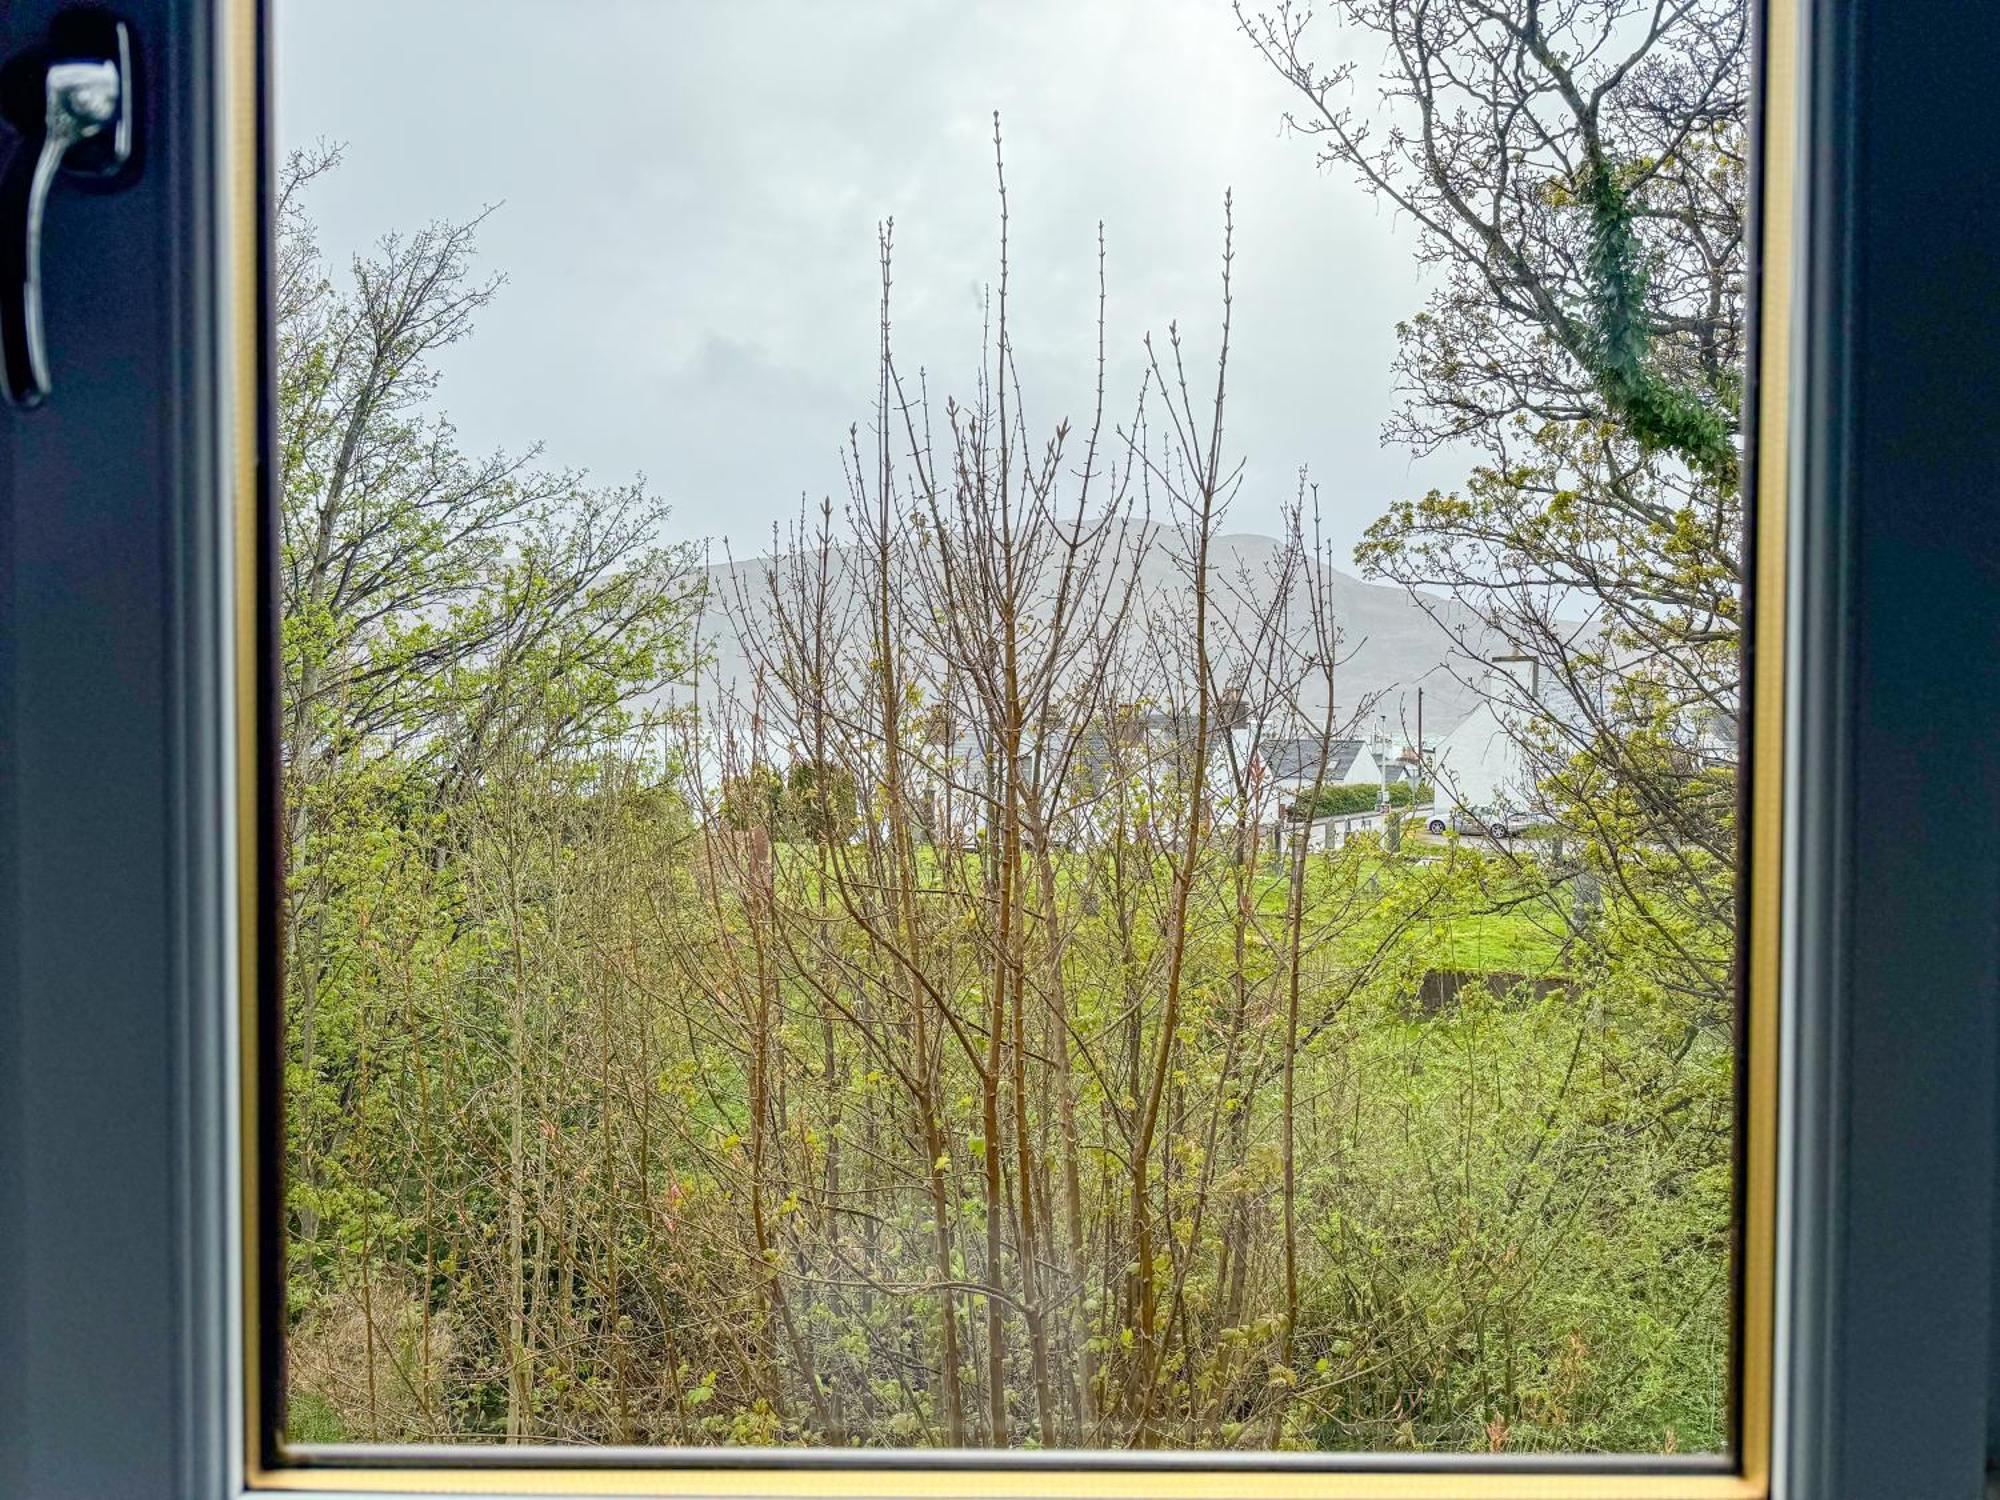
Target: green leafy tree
[755,799]
[1576,175]
[821,801]
[456,629]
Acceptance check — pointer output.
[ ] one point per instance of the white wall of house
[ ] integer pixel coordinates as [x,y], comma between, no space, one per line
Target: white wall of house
[1366,770]
[1480,764]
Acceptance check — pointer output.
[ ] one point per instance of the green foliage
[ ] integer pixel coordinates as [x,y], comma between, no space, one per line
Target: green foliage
[809,802]
[1656,411]
[313,1419]
[756,799]
[1552,1262]
[1336,798]
[821,801]
[1332,799]
[607,1124]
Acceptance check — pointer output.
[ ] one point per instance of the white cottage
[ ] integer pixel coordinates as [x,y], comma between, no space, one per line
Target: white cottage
[1480,764]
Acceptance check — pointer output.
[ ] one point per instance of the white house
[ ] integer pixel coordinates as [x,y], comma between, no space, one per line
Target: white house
[1289,768]
[1491,759]
[1480,764]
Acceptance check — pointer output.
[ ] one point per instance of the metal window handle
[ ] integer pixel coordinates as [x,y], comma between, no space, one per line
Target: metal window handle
[71,101]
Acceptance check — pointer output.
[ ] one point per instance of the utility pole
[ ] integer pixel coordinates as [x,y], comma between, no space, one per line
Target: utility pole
[1418,786]
[1381,748]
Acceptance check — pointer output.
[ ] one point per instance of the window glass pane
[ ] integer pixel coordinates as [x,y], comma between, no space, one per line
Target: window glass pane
[1011,726]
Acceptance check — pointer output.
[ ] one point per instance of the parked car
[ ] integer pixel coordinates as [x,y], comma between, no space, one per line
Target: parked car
[1487,822]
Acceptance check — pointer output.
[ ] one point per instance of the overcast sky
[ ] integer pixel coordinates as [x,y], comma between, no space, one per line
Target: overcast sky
[688,195]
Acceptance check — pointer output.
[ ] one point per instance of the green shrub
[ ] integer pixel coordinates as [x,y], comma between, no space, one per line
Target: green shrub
[311,1418]
[1334,800]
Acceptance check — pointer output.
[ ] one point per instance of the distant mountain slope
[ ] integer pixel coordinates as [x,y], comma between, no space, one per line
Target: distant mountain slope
[1392,644]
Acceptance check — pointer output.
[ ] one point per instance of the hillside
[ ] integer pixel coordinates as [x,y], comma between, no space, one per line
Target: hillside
[1391,643]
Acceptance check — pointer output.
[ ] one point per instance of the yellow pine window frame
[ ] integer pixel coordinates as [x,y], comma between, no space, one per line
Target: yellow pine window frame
[1744,1474]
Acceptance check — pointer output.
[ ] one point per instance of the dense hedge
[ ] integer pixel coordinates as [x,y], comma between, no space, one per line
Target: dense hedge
[1331,801]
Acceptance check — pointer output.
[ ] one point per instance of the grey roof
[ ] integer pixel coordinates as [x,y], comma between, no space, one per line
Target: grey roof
[1299,759]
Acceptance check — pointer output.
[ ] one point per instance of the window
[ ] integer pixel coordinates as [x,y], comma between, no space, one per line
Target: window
[1185,908]
[130,646]
[1866,1363]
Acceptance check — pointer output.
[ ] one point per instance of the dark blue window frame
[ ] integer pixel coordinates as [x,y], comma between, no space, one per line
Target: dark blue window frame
[118,1345]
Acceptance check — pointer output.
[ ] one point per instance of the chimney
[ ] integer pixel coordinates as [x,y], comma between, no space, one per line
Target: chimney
[1526,672]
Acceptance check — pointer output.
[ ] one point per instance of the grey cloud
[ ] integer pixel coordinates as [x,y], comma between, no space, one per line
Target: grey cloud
[690,195]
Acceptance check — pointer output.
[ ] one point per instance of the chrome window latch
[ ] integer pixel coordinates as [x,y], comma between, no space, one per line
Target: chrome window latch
[71,103]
